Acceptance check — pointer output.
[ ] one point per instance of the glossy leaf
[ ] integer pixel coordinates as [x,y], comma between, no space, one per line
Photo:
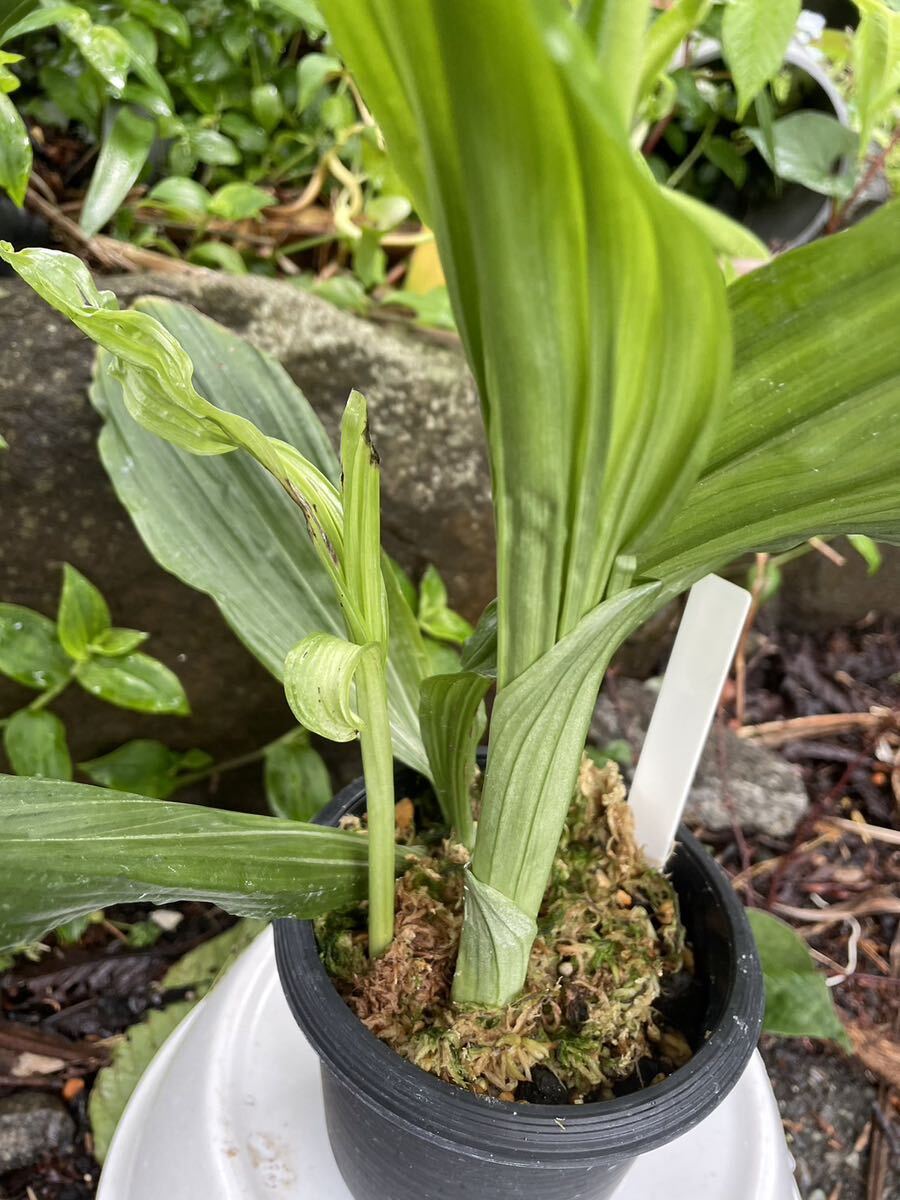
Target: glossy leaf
[755,37]
[83,614]
[15,152]
[453,720]
[68,849]
[319,676]
[123,154]
[35,744]
[134,681]
[798,1002]
[164,17]
[103,47]
[30,651]
[144,768]
[807,448]
[266,105]
[809,148]
[298,785]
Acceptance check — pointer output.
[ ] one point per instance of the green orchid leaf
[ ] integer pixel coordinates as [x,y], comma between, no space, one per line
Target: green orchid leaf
[116,642]
[134,681]
[590,453]
[539,727]
[436,618]
[798,1001]
[143,767]
[453,720]
[495,948]
[156,378]
[83,614]
[30,651]
[35,744]
[15,152]
[755,37]
[810,148]
[298,785]
[367,613]
[727,237]
[807,447]
[68,849]
[319,677]
[123,155]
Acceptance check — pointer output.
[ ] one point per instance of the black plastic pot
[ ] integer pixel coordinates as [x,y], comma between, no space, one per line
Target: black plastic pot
[398,1133]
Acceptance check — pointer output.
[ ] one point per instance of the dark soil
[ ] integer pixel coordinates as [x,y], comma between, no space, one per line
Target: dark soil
[842,1116]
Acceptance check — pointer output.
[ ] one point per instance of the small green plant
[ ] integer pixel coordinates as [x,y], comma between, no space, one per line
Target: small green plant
[228,134]
[82,647]
[646,425]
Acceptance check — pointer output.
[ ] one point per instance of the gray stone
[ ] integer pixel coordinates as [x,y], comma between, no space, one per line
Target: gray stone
[736,780]
[58,505]
[818,595]
[32,1125]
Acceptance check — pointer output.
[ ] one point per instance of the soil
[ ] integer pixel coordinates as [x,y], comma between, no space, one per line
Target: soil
[842,1114]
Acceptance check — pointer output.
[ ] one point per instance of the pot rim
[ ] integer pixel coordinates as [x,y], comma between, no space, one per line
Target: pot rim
[612,1130]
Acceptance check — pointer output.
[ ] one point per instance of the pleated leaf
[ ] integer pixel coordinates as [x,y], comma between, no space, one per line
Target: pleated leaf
[68,849]
[319,684]
[809,444]
[592,311]
[452,718]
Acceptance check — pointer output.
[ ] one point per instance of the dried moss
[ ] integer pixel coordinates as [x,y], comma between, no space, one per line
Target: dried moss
[587,1020]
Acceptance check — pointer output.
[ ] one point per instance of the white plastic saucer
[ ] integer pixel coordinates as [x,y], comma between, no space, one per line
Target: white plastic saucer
[231,1109]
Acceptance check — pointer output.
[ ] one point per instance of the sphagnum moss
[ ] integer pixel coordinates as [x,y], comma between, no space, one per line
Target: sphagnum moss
[609,931]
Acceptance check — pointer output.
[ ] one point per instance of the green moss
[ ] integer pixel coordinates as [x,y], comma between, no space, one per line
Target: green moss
[609,931]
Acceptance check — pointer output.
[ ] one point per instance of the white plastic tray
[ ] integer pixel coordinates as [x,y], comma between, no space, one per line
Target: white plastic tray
[242,1116]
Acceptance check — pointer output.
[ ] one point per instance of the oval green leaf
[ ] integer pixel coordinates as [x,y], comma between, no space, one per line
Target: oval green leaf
[30,651]
[134,681]
[35,744]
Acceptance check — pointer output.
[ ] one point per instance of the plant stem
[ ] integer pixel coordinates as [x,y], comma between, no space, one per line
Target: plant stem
[699,146]
[45,698]
[378,767]
[241,760]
